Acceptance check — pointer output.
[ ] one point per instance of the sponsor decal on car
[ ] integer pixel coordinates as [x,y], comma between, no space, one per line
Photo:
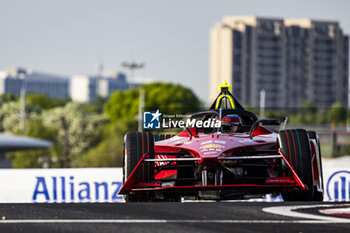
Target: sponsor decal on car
[206,142]
[209,152]
[220,142]
[211,146]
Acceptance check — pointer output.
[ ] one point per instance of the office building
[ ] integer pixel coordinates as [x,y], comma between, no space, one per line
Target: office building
[85,88]
[81,88]
[14,79]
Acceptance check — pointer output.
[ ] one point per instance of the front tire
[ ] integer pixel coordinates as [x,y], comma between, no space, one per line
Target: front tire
[295,147]
[136,144]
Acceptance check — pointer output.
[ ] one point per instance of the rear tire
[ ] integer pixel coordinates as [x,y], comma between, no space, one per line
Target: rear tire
[295,147]
[136,144]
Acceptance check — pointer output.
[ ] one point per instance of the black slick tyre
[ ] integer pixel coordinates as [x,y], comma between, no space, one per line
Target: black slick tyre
[295,146]
[136,144]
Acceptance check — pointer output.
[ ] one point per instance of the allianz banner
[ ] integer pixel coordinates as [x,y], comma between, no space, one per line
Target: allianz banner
[60,185]
[337,184]
[82,185]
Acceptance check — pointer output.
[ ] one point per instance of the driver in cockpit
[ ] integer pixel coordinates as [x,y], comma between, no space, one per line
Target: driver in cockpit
[231,123]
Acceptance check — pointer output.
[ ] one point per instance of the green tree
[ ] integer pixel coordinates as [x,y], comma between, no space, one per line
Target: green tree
[10,123]
[274,114]
[173,98]
[96,106]
[98,103]
[30,159]
[321,116]
[337,113]
[307,107]
[77,130]
[9,116]
[122,107]
[44,101]
[8,97]
[108,153]
[305,115]
[84,129]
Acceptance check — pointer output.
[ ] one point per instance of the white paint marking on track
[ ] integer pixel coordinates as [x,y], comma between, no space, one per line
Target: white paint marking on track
[339,210]
[159,221]
[290,211]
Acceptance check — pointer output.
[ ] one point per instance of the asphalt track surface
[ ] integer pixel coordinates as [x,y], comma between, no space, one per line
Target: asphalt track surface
[176,217]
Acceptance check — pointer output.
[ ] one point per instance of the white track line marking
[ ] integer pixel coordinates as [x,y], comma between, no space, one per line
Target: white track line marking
[159,221]
[339,210]
[290,212]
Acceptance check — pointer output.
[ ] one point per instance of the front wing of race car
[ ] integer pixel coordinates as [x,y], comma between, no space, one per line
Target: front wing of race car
[176,160]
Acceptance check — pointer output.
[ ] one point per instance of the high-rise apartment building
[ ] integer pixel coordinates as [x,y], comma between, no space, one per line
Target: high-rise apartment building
[291,59]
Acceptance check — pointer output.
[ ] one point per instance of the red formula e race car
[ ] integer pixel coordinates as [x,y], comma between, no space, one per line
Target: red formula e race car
[241,158]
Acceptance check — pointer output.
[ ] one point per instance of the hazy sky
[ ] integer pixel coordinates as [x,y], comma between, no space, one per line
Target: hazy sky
[172,37]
